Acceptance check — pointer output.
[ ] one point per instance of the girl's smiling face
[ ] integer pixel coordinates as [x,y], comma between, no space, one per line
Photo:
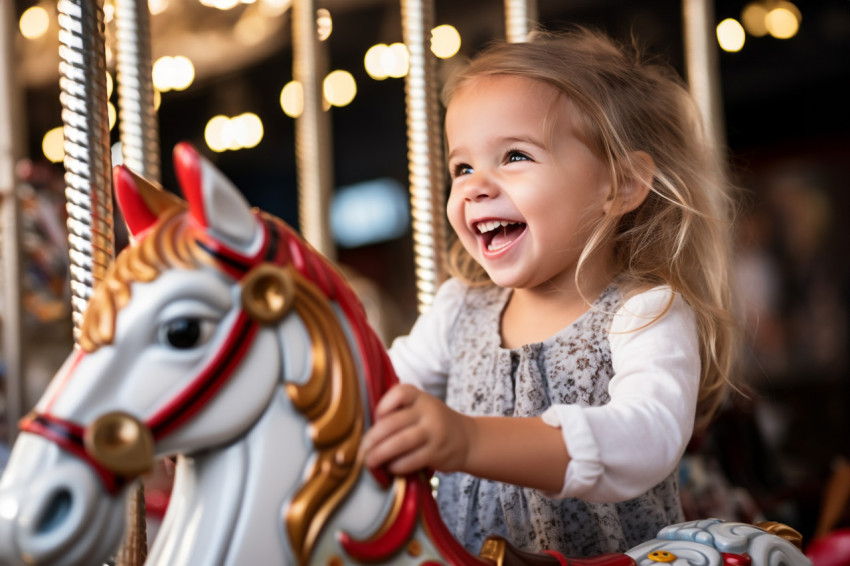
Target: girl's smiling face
[526,189]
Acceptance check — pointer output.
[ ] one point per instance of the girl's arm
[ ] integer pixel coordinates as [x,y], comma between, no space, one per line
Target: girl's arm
[422,357]
[415,430]
[608,453]
[623,448]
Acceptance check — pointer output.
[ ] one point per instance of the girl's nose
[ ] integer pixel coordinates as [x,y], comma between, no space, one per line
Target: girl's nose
[480,186]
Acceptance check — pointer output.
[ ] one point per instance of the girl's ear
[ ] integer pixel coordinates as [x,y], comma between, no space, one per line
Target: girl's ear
[636,186]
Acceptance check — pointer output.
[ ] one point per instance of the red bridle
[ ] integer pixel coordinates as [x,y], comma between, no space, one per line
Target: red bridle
[196,394]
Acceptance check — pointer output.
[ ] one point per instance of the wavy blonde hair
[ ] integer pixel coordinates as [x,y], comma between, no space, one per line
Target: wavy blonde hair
[680,234]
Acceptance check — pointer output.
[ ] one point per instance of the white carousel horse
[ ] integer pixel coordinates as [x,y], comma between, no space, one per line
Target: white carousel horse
[222,338]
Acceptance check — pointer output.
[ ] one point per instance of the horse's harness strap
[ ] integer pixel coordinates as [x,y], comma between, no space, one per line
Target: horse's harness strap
[69,435]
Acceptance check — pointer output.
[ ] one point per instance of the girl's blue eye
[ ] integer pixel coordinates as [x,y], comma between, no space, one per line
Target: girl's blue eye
[514,155]
[461,169]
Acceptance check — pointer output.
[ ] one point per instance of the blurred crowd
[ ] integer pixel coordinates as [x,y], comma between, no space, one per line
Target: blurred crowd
[785,438]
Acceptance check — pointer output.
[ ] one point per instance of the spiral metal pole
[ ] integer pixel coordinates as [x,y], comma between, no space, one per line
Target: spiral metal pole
[313,155]
[139,135]
[82,82]
[11,132]
[520,17]
[703,70]
[139,129]
[424,151]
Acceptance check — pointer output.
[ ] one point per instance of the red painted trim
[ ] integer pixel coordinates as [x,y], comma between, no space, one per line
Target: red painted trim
[69,436]
[54,395]
[137,215]
[188,167]
[447,545]
[208,382]
[558,556]
[391,541]
[736,559]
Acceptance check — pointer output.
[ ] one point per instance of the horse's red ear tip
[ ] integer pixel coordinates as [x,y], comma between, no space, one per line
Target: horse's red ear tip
[122,177]
[184,150]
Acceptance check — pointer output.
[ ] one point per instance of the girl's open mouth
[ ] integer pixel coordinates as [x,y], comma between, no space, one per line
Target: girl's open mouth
[499,234]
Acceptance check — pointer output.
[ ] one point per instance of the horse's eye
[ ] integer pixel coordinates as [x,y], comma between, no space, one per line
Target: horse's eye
[182,333]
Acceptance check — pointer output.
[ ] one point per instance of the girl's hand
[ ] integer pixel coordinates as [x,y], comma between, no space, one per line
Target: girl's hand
[414,430]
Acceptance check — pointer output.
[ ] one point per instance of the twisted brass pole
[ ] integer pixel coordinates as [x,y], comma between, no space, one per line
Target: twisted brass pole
[424,151]
[703,71]
[313,155]
[11,142]
[139,129]
[139,135]
[88,183]
[520,17]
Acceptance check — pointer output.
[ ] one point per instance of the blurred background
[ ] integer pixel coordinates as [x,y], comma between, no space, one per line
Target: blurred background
[223,66]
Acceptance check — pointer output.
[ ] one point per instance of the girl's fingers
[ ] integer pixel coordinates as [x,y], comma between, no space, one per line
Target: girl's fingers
[397,397]
[410,462]
[394,446]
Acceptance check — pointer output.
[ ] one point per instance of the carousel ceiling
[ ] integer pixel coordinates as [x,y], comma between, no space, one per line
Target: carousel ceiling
[772,88]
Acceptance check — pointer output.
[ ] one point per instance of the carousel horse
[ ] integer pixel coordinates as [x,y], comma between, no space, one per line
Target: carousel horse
[220,337]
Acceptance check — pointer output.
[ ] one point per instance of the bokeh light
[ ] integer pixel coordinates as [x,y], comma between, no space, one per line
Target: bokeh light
[445,41]
[324,23]
[53,145]
[753,16]
[783,21]
[372,62]
[339,88]
[34,22]
[292,99]
[173,73]
[730,35]
[240,132]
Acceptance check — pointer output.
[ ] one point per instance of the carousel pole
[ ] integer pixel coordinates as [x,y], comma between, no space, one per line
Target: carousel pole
[138,125]
[10,143]
[703,71]
[424,151]
[139,135]
[520,17]
[87,162]
[313,155]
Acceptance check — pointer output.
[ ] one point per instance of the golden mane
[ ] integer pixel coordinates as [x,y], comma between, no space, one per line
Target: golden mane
[168,245]
[330,399]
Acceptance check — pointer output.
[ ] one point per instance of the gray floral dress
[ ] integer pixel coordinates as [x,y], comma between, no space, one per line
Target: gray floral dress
[571,367]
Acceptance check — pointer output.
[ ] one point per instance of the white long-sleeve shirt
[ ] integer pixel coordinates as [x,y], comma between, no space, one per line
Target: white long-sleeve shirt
[620,449]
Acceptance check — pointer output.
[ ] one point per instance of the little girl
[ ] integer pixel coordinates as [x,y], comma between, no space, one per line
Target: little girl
[557,378]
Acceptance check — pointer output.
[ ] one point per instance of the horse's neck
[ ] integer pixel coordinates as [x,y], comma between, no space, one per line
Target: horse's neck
[227,505]
[204,509]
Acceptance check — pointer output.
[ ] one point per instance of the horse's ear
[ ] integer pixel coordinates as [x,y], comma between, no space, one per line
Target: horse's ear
[214,202]
[141,202]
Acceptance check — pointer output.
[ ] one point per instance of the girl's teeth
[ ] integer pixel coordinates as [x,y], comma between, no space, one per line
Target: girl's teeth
[494,247]
[490,225]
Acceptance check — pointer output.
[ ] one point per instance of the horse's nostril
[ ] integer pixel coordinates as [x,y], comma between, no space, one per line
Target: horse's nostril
[55,512]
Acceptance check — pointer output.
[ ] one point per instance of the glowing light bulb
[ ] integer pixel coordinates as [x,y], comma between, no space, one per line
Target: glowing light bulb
[373,61]
[34,22]
[730,35]
[396,60]
[292,99]
[783,21]
[324,23]
[53,145]
[214,133]
[445,41]
[339,88]
[753,16]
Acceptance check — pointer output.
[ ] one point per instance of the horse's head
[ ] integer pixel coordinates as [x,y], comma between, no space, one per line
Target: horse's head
[182,348]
